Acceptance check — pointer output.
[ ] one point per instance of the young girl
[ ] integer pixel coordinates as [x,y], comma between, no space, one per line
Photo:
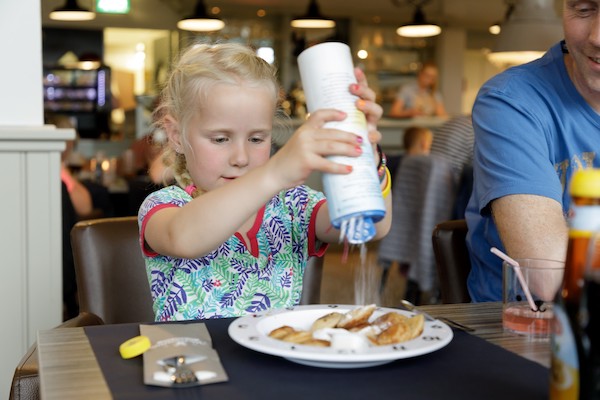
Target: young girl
[233,237]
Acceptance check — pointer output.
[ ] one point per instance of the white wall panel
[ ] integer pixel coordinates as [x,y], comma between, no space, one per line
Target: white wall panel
[30,239]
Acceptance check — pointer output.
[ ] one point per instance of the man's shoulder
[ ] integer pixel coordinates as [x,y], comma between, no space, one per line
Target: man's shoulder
[542,73]
[521,79]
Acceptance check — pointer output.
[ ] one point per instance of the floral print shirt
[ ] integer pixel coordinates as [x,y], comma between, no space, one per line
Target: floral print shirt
[236,278]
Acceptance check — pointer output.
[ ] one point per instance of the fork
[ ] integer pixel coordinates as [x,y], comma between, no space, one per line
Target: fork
[181,373]
[411,307]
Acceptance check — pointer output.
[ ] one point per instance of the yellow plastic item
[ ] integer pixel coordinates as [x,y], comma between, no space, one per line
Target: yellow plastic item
[586,183]
[385,192]
[134,346]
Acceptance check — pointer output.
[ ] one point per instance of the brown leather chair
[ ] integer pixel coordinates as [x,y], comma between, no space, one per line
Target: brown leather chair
[452,260]
[111,272]
[113,286]
[313,275]
[423,193]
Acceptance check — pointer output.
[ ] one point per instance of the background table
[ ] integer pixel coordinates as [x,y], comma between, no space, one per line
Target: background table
[486,319]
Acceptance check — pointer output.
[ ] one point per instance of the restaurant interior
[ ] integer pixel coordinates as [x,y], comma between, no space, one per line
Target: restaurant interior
[116,62]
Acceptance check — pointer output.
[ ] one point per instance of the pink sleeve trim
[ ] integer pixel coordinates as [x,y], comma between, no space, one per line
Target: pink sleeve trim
[146,250]
[312,237]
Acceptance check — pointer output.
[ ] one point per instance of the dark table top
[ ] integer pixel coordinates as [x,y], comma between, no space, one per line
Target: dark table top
[467,368]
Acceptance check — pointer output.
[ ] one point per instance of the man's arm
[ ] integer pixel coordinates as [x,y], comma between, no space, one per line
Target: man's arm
[531,226]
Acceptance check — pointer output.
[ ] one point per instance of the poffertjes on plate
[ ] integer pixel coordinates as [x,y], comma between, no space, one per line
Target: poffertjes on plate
[389,328]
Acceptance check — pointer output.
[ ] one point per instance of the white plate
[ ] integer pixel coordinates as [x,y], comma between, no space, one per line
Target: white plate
[252,331]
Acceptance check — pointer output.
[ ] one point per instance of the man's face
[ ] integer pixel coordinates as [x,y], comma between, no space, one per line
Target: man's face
[581,23]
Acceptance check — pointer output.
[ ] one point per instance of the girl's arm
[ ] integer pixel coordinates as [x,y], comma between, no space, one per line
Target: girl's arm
[210,219]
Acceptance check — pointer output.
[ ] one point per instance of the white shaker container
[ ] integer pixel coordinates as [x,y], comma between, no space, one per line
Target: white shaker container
[355,201]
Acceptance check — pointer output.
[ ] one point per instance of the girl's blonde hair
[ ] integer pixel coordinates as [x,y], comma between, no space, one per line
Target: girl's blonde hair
[186,90]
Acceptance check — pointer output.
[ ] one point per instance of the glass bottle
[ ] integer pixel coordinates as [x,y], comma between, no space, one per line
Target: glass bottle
[575,337]
[589,320]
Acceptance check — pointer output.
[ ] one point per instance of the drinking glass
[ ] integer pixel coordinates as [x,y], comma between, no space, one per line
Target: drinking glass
[528,294]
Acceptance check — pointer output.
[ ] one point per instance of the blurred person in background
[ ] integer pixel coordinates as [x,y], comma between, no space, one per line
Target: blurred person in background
[76,204]
[416,140]
[420,98]
[148,171]
[146,153]
[78,193]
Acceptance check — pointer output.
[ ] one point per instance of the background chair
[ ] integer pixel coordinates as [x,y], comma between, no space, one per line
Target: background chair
[423,195]
[111,272]
[452,260]
[313,275]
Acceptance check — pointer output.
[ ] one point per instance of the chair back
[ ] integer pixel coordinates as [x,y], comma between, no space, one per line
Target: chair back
[313,275]
[423,193]
[110,269]
[452,260]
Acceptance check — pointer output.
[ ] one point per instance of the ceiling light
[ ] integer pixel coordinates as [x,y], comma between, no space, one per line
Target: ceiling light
[496,27]
[89,61]
[313,18]
[200,21]
[530,31]
[419,27]
[72,12]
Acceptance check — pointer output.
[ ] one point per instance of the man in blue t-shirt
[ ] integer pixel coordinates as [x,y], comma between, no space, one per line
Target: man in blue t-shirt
[535,125]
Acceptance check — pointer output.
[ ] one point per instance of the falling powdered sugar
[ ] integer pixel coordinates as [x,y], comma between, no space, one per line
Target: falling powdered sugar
[366,276]
[366,281]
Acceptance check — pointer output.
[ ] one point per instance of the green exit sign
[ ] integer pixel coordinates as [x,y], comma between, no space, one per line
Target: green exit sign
[113,6]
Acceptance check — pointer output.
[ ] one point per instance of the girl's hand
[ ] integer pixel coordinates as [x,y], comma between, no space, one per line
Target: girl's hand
[307,149]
